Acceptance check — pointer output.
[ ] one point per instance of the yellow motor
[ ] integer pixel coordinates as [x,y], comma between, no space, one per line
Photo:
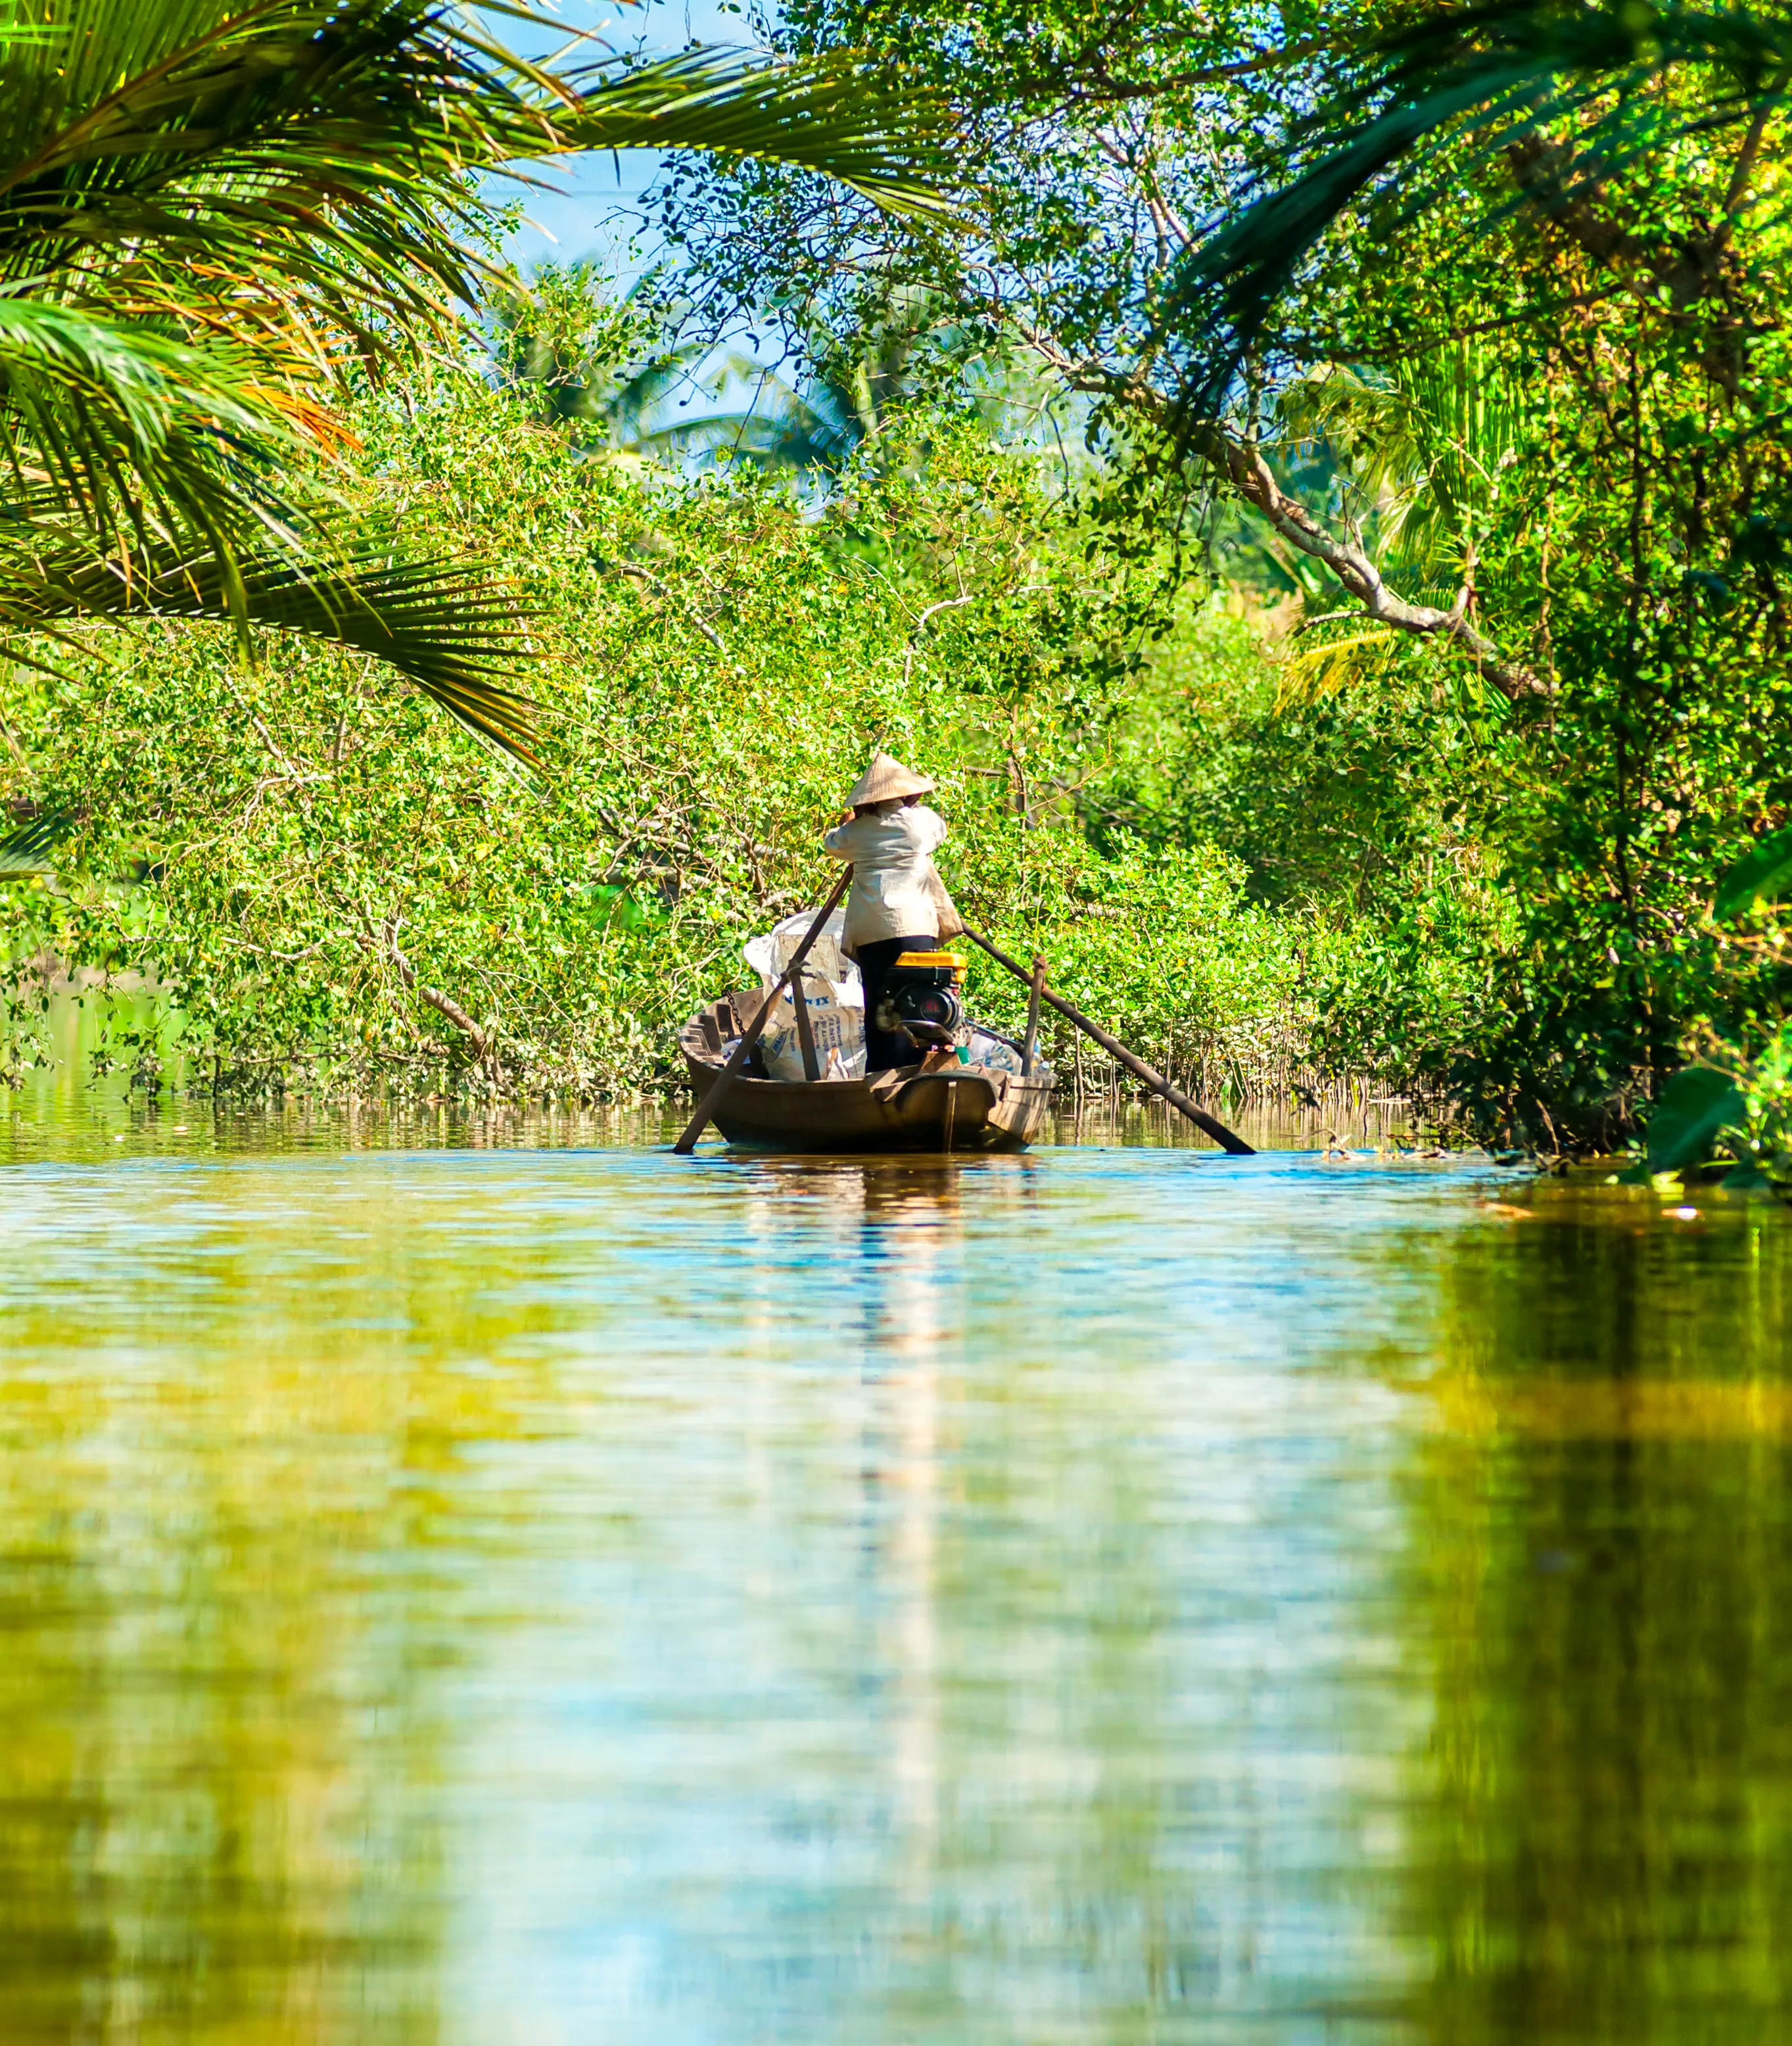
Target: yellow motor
[920,997]
[949,962]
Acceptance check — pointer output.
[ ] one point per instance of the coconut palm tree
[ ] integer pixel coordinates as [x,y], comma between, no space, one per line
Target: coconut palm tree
[855,385]
[210,208]
[1415,457]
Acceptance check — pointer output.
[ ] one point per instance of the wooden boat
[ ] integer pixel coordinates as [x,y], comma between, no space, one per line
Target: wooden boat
[937,1105]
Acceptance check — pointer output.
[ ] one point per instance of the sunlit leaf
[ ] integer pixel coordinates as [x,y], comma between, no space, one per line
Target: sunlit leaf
[1763,875]
[828,114]
[206,208]
[1696,1104]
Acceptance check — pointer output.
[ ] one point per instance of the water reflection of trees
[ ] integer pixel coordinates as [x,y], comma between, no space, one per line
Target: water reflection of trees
[210,1765]
[881,1599]
[223,1475]
[1606,1848]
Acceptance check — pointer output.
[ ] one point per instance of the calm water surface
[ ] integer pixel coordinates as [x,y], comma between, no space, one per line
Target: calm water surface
[572,1594]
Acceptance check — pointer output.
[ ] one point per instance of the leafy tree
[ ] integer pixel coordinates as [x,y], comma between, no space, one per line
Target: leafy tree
[852,389]
[1517,408]
[1560,95]
[212,210]
[1097,149]
[725,654]
[599,366]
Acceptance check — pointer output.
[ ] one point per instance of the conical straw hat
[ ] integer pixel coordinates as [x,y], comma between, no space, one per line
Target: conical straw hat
[885,779]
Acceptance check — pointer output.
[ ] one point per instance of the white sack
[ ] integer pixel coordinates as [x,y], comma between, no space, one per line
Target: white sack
[838,1030]
[833,994]
[769,955]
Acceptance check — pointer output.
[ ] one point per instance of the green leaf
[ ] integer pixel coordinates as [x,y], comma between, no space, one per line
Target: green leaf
[1390,111]
[1695,1105]
[443,623]
[25,850]
[830,114]
[207,208]
[1763,875]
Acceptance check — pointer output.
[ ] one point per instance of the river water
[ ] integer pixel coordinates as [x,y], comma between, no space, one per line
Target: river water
[553,1591]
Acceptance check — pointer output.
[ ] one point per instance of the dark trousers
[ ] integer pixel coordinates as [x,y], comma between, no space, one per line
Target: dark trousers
[885,1048]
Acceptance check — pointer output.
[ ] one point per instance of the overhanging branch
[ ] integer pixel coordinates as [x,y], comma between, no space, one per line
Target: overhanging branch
[1238,463]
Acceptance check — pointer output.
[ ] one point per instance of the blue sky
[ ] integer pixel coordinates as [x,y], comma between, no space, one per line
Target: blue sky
[596,208]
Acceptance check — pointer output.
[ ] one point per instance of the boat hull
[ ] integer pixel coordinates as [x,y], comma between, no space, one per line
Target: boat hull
[938,1106]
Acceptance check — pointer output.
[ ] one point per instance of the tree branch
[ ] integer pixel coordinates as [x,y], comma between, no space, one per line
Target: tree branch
[1242,464]
[442,1004]
[1239,463]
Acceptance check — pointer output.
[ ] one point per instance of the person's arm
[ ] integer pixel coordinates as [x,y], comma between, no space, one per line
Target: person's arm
[839,841]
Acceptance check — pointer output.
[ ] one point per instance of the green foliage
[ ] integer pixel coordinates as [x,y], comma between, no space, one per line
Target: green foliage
[208,210]
[1500,441]
[325,877]
[1695,1107]
[1765,875]
[1759,1128]
[589,360]
[1561,94]
[1505,428]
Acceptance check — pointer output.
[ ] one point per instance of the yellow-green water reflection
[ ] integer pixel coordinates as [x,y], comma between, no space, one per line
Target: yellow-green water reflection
[1115,1595]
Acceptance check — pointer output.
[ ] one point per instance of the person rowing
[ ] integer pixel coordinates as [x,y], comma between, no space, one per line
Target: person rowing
[898,903]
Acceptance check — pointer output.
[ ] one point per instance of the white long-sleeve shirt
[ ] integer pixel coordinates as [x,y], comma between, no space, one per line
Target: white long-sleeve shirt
[892,860]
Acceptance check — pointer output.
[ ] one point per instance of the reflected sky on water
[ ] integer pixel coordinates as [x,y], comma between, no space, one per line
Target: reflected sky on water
[1115,1594]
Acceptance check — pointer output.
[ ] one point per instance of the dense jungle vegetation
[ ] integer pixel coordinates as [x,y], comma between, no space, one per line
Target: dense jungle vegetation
[1318,501]
[318,851]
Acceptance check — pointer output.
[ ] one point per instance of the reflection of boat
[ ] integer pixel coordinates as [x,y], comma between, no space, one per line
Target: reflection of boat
[938,1105]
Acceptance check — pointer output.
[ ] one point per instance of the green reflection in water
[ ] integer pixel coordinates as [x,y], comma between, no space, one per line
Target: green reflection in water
[1110,1596]
[1609,1838]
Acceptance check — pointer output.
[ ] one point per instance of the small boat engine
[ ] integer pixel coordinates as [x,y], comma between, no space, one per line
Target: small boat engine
[921,997]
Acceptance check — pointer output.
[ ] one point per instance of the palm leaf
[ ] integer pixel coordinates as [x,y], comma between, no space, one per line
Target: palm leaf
[1504,69]
[288,160]
[200,198]
[25,850]
[196,202]
[441,624]
[1763,875]
[1326,665]
[1696,1106]
[1421,447]
[828,115]
[127,428]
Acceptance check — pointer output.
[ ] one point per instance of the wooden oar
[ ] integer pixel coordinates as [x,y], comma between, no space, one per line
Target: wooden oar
[1155,1080]
[750,1037]
[1030,1045]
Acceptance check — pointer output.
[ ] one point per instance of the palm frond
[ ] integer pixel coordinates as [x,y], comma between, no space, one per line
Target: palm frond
[199,199]
[441,624]
[26,850]
[1421,447]
[828,115]
[781,428]
[1326,663]
[288,161]
[1502,70]
[129,429]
